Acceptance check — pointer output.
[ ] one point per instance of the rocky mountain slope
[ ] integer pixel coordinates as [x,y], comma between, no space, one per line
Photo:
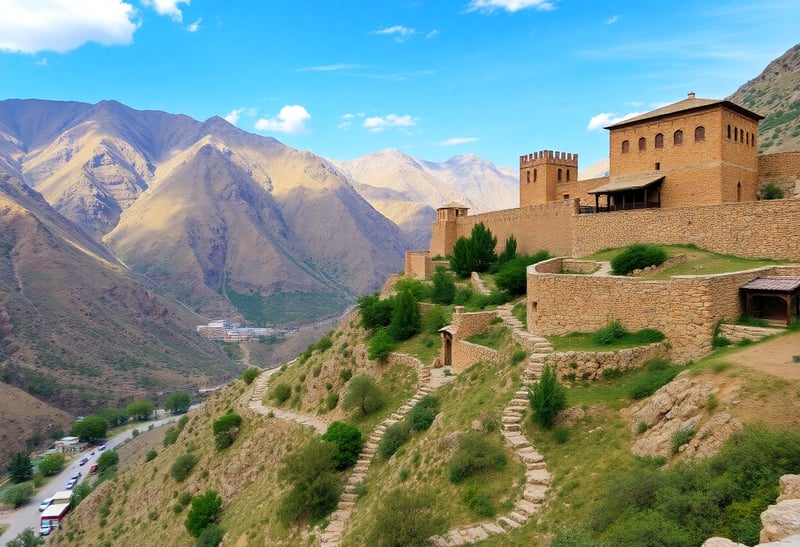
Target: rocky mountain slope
[775,94]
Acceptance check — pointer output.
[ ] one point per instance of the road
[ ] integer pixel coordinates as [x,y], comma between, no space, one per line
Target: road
[27,516]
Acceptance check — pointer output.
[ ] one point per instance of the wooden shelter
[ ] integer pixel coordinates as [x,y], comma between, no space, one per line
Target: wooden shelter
[774,298]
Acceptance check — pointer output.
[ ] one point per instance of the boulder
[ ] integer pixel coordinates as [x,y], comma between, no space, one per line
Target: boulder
[780,521]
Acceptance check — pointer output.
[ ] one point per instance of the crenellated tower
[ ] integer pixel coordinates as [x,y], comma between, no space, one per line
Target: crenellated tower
[445,229]
[540,172]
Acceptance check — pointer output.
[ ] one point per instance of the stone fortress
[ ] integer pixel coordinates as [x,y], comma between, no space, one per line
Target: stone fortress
[686,173]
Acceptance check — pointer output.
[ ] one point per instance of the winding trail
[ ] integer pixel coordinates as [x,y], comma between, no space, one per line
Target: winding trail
[257,405]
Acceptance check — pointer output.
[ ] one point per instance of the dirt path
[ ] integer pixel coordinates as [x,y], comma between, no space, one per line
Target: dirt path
[773,356]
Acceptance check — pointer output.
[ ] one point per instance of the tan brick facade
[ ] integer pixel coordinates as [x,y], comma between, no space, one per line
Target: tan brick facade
[457,352]
[783,169]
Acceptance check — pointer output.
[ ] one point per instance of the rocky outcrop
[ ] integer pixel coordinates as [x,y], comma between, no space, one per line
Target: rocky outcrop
[679,405]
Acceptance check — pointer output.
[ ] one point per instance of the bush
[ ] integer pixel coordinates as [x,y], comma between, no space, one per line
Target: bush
[314,486]
[140,409]
[205,511]
[771,191]
[51,464]
[281,393]
[91,429]
[518,356]
[680,438]
[250,374]
[331,400]
[608,335]
[434,319]
[362,392]
[150,456]
[407,519]
[183,466]
[636,257]
[417,288]
[18,495]
[561,434]
[26,538]
[178,403]
[547,398]
[211,536]
[347,439]
[475,453]
[171,435]
[444,288]
[393,438]
[375,313]
[380,345]
[79,493]
[421,416]
[512,277]
[479,502]
[108,460]
[345,374]
[226,429]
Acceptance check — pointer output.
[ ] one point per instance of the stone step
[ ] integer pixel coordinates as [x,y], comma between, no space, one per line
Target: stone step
[348,497]
[534,466]
[517,441]
[511,419]
[530,456]
[520,401]
[339,517]
[521,394]
[508,524]
[524,506]
[537,357]
[492,528]
[515,428]
[534,493]
[538,476]
[345,505]
[522,518]
[363,468]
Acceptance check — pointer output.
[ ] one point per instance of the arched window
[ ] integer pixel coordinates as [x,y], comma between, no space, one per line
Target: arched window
[567,177]
[729,132]
[625,147]
[534,175]
[747,138]
[735,134]
[659,140]
[738,191]
[559,174]
[677,138]
[753,140]
[699,133]
[642,144]
[529,176]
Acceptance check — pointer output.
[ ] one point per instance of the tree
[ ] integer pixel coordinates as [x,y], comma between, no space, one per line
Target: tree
[20,468]
[509,251]
[512,276]
[375,313]
[51,464]
[348,440]
[178,403]
[547,398]
[483,244]
[380,345]
[205,511]
[226,429]
[26,538]
[18,495]
[406,319]
[211,536]
[315,486]
[182,467]
[444,288]
[462,261]
[407,519]
[79,493]
[91,429]
[140,409]
[364,394]
[114,416]
[108,460]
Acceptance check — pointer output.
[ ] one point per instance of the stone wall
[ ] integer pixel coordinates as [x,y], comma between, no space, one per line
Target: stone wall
[685,308]
[737,333]
[463,325]
[783,169]
[579,266]
[466,354]
[590,365]
[418,264]
[754,229]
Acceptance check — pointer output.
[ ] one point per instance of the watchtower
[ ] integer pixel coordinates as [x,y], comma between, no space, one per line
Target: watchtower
[540,172]
[445,229]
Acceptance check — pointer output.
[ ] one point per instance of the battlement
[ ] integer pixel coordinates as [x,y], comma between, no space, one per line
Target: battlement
[548,156]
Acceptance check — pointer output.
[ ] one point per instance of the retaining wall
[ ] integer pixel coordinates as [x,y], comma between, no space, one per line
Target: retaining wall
[590,365]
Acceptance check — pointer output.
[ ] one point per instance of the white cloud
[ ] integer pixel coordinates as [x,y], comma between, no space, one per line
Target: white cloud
[194,27]
[379,123]
[329,68]
[290,120]
[432,33]
[488,6]
[167,7]
[605,119]
[347,119]
[613,19]
[398,33]
[457,140]
[42,61]
[63,25]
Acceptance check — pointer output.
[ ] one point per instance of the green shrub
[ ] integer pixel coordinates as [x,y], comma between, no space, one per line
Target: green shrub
[608,335]
[636,257]
[332,399]
[393,438]
[211,536]
[281,393]
[375,313]
[324,344]
[206,510]
[680,438]
[512,276]
[171,435]
[407,519]
[421,416]
[771,191]
[250,374]
[547,398]
[561,434]
[648,336]
[183,466]
[310,472]
[345,374]
[479,502]
[476,453]
[719,341]
[434,319]
[347,439]
[380,345]
[712,402]
[363,393]
[518,356]
[226,429]
[51,464]
[18,495]
[444,288]
[150,456]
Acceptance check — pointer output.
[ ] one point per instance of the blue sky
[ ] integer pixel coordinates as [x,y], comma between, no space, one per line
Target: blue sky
[432,78]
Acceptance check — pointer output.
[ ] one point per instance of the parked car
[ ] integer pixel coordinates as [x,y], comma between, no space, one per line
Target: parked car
[83,461]
[101,447]
[45,504]
[71,484]
[93,468]
[45,528]
[76,476]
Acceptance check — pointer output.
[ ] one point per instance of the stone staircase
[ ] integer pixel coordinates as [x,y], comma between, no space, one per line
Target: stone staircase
[537,478]
[428,381]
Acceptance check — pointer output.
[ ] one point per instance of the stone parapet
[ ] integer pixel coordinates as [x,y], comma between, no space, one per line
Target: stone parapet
[590,365]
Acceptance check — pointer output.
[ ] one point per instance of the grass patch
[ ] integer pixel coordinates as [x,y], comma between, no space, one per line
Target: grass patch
[520,311]
[586,341]
[496,338]
[425,347]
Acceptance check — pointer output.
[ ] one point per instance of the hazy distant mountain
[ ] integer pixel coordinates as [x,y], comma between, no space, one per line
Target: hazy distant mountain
[408,190]
[595,170]
[220,218]
[775,94]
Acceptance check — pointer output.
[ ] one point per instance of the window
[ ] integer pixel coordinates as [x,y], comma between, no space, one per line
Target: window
[699,133]
[753,140]
[729,132]
[642,144]
[559,174]
[658,166]
[735,134]
[567,175]
[738,191]
[566,196]
[747,138]
[659,140]
[677,138]
[625,147]
[534,175]
[529,176]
